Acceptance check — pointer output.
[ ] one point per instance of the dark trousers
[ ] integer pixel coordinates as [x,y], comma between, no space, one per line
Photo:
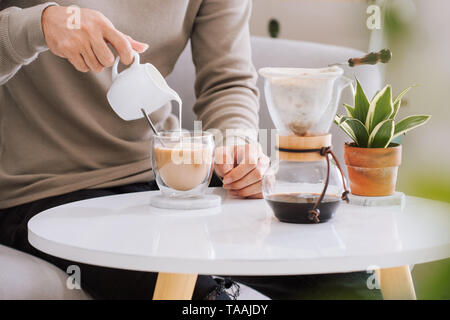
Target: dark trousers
[109,283]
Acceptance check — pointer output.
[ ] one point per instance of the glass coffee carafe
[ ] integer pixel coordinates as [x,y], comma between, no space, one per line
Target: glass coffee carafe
[305,183]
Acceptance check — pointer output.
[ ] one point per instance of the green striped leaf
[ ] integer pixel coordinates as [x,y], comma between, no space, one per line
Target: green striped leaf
[361,104]
[382,134]
[410,123]
[355,129]
[380,108]
[396,108]
[350,110]
[398,101]
[339,120]
[359,131]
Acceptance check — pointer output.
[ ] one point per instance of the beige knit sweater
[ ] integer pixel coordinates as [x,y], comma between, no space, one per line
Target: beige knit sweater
[57,131]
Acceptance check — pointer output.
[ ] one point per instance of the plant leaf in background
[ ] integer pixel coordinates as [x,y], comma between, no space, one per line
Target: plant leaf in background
[362,104]
[274,28]
[381,135]
[398,102]
[409,123]
[380,108]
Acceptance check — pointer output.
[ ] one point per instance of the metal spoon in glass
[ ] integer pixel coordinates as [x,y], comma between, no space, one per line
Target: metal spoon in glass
[149,122]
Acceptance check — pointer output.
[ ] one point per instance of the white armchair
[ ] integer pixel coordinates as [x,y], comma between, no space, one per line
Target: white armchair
[23,276]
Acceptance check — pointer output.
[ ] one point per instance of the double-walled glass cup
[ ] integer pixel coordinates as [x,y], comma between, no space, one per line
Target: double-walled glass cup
[183,162]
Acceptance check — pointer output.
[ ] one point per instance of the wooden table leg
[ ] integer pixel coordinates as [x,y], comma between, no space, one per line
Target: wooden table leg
[174,286]
[396,283]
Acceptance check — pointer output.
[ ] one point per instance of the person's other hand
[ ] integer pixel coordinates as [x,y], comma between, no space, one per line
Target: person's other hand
[86,47]
[242,168]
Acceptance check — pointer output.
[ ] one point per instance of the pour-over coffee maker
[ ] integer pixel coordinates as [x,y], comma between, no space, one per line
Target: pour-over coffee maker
[305,183]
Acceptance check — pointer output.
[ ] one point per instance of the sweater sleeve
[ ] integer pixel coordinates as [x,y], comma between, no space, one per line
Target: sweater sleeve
[225,86]
[21,38]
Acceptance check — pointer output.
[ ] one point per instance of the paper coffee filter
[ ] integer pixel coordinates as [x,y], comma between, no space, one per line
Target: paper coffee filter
[298,98]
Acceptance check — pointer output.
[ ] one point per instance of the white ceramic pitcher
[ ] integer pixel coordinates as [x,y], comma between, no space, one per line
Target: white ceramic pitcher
[141,86]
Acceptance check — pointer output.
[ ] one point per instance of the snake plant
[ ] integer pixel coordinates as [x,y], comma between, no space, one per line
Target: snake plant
[372,124]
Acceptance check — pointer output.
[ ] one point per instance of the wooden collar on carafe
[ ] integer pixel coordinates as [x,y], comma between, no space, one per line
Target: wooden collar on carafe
[302,143]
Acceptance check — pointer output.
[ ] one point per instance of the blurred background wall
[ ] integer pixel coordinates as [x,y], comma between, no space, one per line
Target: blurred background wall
[418,33]
[333,22]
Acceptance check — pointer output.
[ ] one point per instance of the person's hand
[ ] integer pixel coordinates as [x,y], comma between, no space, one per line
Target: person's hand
[86,47]
[242,168]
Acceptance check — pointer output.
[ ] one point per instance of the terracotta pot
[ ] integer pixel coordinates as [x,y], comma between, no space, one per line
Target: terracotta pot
[373,171]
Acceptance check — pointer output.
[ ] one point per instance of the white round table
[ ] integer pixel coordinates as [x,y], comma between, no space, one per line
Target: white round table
[243,238]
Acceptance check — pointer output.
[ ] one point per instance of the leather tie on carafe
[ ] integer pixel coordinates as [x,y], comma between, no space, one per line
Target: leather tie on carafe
[315,212]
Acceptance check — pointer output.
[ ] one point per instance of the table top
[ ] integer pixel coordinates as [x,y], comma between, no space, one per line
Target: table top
[241,237]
